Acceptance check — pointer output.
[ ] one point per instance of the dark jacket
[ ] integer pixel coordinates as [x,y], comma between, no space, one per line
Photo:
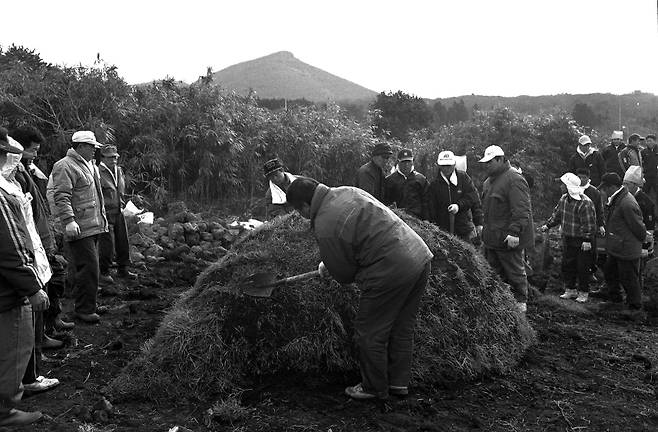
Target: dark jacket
[594,194]
[650,165]
[507,210]
[630,156]
[464,194]
[625,231]
[114,190]
[647,209]
[18,275]
[360,239]
[76,195]
[593,161]
[371,178]
[610,156]
[407,192]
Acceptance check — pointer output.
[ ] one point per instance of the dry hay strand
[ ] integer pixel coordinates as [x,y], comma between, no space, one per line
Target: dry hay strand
[215,340]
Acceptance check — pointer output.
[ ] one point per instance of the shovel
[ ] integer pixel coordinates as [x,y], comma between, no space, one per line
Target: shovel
[262,284]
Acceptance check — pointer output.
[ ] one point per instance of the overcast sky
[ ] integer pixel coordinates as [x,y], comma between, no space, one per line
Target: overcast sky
[428,48]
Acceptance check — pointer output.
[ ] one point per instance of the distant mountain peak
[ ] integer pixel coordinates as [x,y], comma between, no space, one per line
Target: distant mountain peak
[281,75]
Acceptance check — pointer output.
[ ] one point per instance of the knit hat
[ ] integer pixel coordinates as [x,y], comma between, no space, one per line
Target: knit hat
[271,166]
[381,149]
[634,175]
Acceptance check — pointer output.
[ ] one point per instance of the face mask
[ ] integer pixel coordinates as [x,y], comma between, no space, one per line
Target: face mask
[13,159]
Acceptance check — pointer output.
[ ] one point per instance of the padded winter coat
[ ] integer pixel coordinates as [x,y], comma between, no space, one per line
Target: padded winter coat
[113,189]
[624,229]
[408,193]
[371,178]
[464,194]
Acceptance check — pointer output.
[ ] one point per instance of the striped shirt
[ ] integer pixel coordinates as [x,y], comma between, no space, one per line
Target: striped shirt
[577,217]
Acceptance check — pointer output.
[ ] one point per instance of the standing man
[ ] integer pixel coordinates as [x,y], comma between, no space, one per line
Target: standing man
[362,240]
[407,188]
[630,155]
[625,233]
[508,226]
[454,204]
[650,168]
[75,185]
[279,180]
[114,242]
[588,157]
[371,176]
[576,213]
[22,278]
[611,154]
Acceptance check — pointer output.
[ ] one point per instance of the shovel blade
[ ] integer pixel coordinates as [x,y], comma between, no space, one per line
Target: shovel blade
[258,284]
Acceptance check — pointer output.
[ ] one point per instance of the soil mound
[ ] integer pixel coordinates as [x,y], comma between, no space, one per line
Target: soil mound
[215,341]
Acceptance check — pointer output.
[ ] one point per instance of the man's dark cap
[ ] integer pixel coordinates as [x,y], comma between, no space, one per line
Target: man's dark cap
[272,166]
[651,136]
[634,137]
[405,155]
[610,179]
[382,149]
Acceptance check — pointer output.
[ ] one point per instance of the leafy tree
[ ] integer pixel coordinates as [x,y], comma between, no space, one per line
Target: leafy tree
[457,112]
[399,113]
[584,115]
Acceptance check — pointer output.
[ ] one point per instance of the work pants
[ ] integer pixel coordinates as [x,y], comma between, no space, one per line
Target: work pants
[114,243]
[84,254]
[576,264]
[385,331]
[509,264]
[627,273]
[16,343]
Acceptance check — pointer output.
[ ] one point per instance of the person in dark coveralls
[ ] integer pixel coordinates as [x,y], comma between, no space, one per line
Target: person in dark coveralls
[650,168]
[454,203]
[113,243]
[361,240]
[372,175]
[508,226]
[278,181]
[625,233]
[406,188]
[611,154]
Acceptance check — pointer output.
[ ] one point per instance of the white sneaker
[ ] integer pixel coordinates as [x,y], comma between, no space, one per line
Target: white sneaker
[40,385]
[569,294]
[523,307]
[582,297]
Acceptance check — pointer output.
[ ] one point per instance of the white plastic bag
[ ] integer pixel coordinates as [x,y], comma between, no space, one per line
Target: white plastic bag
[145,218]
[131,209]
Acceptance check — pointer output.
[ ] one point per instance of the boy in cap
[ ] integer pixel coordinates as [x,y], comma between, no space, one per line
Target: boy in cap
[587,156]
[625,233]
[508,226]
[113,243]
[406,188]
[279,180]
[454,202]
[74,189]
[577,215]
[610,154]
[362,240]
[371,176]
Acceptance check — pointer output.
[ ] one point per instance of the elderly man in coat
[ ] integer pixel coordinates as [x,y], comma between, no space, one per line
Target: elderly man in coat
[362,240]
[508,226]
[371,176]
[75,192]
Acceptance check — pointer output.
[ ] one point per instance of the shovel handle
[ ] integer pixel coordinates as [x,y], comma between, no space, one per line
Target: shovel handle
[299,277]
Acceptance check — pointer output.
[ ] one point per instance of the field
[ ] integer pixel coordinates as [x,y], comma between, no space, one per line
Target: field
[593,369]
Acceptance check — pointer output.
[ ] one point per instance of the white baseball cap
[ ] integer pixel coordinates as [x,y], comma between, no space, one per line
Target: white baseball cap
[617,135]
[491,152]
[87,137]
[584,140]
[446,158]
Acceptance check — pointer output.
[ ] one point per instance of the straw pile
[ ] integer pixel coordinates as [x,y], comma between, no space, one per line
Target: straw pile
[215,341]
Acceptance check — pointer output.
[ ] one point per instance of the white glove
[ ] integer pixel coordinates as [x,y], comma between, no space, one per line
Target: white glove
[543,228]
[324,273]
[73,229]
[478,229]
[586,246]
[602,231]
[39,301]
[511,241]
[453,208]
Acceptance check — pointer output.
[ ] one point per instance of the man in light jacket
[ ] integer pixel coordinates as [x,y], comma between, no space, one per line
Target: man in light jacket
[508,226]
[77,197]
[362,240]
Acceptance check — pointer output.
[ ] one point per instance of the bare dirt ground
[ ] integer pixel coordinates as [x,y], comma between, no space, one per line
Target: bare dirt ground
[595,368]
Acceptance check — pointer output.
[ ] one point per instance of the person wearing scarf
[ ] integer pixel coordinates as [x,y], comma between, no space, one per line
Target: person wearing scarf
[577,215]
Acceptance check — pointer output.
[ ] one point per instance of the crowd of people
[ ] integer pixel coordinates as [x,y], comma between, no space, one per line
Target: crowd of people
[59,235]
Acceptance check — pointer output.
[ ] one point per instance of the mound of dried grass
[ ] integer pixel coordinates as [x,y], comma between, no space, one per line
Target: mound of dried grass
[215,340]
